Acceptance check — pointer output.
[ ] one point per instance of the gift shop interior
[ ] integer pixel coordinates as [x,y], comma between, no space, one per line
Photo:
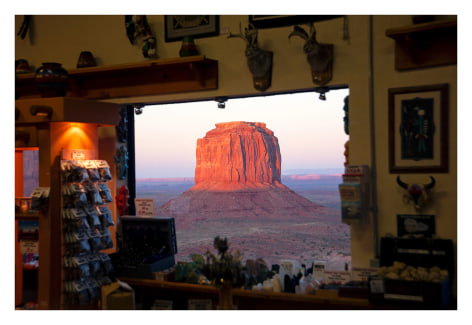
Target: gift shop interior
[239,226]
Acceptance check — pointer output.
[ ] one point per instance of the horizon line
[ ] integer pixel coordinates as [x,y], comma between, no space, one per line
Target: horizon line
[309,176]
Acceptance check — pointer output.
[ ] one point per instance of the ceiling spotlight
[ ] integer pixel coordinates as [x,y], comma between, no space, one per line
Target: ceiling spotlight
[221,102]
[138,109]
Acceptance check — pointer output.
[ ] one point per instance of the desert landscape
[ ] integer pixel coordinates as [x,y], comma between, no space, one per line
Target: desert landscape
[322,237]
[238,193]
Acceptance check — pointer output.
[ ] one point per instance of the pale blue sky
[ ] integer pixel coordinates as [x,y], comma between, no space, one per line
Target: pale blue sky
[310,131]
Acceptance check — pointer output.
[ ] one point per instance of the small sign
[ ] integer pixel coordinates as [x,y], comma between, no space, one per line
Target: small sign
[29,247]
[144,207]
[337,277]
[162,305]
[362,274]
[78,154]
[200,304]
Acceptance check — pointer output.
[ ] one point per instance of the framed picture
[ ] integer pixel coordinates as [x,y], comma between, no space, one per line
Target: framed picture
[271,21]
[418,129]
[196,26]
[416,224]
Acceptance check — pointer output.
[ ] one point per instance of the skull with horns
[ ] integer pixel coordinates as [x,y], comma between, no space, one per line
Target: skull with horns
[416,192]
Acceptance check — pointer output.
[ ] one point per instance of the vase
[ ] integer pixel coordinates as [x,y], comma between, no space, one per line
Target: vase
[52,80]
[86,59]
[188,47]
[225,296]
[22,66]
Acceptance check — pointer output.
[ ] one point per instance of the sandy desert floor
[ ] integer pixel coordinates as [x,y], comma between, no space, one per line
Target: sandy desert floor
[320,237]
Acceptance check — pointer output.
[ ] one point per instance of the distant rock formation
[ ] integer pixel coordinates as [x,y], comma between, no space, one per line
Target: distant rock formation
[237,153]
[238,174]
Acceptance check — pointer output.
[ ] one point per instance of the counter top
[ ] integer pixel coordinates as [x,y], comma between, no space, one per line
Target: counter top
[322,299]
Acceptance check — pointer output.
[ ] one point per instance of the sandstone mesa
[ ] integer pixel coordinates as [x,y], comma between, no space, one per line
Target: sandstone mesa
[238,153]
[238,175]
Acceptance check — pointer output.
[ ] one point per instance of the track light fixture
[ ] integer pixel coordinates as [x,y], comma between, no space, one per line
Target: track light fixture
[221,102]
[138,109]
[322,91]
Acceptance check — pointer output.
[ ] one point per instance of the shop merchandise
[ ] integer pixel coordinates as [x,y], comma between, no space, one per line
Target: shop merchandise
[86,221]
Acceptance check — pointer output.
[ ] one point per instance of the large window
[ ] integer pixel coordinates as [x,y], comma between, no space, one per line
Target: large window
[311,137]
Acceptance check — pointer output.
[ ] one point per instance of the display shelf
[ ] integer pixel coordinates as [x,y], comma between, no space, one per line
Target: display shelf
[27,216]
[70,124]
[247,299]
[425,45]
[156,77]
[87,220]
[63,109]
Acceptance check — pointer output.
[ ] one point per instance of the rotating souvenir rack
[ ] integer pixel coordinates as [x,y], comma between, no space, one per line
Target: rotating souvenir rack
[86,219]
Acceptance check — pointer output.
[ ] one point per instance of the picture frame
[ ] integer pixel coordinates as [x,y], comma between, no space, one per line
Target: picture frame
[418,127]
[197,26]
[272,21]
[416,224]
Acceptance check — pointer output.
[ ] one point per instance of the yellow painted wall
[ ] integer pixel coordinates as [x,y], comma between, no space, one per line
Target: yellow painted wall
[61,39]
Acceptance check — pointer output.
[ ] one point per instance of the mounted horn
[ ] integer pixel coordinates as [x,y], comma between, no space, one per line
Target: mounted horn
[431,184]
[402,184]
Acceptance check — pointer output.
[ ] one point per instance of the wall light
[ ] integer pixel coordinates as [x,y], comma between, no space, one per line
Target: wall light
[41,110]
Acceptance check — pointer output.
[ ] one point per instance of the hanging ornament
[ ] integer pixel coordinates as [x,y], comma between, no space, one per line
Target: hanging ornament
[121,160]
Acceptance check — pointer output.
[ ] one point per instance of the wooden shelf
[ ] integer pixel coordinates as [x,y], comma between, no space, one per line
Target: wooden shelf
[26,216]
[65,109]
[248,299]
[425,45]
[156,77]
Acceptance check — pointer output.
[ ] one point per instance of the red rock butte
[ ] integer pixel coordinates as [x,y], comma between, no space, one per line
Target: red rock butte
[237,155]
[238,174]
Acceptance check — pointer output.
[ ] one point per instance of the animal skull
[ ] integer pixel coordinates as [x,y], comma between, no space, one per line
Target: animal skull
[416,192]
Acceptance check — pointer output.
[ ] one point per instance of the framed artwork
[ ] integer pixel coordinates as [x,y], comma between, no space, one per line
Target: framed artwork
[416,224]
[418,129]
[197,26]
[271,21]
